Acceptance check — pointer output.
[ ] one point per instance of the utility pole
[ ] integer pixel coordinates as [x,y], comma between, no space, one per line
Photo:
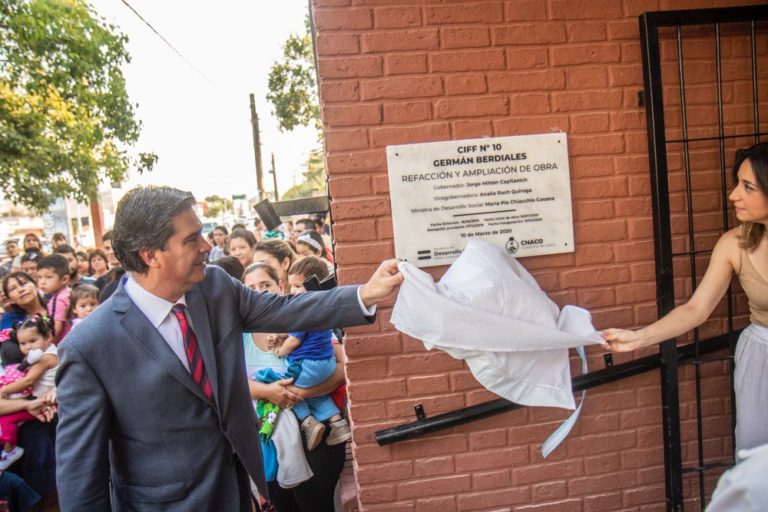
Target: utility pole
[257,150]
[97,218]
[274,177]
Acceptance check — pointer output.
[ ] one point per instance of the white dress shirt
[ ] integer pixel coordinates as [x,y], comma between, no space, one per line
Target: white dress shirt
[158,312]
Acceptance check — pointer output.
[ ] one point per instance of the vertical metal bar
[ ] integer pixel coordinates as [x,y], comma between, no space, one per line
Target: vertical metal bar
[754,81]
[726,226]
[691,254]
[665,297]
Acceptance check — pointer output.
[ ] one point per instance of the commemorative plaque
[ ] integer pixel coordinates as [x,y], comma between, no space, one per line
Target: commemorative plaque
[511,191]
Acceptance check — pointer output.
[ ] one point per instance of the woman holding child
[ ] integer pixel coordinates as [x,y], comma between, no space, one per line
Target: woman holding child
[38,466]
[742,251]
[327,460]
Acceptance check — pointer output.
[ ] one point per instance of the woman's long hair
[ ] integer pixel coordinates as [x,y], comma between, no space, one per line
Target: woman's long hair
[752,233]
[280,250]
[21,278]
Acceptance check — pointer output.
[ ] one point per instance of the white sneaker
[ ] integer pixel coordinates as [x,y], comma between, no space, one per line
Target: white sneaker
[340,433]
[313,432]
[8,458]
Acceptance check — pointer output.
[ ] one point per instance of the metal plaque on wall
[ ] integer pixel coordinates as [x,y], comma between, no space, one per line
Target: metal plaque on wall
[511,191]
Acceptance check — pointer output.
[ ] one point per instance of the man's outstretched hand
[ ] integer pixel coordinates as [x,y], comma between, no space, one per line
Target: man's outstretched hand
[384,281]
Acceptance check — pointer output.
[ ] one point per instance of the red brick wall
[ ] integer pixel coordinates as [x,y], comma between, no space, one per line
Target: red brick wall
[396,72]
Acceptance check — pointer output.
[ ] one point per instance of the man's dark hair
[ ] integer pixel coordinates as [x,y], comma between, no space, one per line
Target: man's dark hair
[31,256]
[55,262]
[144,221]
[319,219]
[231,266]
[308,224]
[65,249]
[68,249]
[106,236]
[59,236]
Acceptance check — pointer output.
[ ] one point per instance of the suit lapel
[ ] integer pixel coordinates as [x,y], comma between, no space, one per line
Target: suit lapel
[147,336]
[201,323]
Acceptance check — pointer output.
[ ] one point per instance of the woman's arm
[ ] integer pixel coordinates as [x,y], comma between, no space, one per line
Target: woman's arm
[276,392]
[35,372]
[723,263]
[330,384]
[10,406]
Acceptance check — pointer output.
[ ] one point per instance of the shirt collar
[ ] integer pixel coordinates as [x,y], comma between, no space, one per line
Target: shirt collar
[155,308]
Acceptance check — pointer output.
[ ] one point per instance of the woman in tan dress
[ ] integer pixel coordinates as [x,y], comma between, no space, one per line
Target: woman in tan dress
[742,251]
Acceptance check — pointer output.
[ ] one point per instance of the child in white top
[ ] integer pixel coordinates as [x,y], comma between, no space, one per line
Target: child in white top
[34,334]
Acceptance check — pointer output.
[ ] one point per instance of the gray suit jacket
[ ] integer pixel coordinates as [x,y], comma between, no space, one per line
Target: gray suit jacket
[128,408]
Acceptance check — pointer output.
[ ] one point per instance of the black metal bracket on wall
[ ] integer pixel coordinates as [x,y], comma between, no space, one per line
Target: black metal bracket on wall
[612,373]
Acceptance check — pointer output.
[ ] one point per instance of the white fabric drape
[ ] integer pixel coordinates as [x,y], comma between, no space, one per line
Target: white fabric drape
[488,310]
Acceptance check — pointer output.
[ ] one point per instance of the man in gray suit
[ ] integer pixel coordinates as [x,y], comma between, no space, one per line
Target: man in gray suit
[152,388]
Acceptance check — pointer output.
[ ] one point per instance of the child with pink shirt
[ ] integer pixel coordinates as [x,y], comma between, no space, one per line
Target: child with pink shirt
[52,279]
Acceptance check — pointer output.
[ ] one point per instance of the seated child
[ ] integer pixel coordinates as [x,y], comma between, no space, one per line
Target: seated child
[33,334]
[311,362]
[83,300]
[52,279]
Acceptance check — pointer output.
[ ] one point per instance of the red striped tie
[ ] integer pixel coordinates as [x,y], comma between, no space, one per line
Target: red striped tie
[196,366]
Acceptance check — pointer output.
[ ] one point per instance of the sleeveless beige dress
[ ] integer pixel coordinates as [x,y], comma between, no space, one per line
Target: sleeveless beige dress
[751,358]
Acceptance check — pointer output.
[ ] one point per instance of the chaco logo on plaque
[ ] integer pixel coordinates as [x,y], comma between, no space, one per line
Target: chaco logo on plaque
[512,191]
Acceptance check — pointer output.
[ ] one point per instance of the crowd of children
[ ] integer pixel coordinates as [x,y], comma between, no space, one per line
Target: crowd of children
[45,295]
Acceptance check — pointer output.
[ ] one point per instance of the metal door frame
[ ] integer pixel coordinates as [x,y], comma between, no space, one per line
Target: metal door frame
[650,23]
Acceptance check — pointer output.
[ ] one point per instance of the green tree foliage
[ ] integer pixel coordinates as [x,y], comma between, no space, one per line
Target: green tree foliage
[293,94]
[217,205]
[292,85]
[66,122]
[314,178]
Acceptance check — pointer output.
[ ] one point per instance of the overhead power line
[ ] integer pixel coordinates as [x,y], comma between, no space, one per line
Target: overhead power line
[168,43]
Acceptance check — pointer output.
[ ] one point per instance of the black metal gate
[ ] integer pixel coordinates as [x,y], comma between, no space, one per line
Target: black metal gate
[693,132]
[705,96]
